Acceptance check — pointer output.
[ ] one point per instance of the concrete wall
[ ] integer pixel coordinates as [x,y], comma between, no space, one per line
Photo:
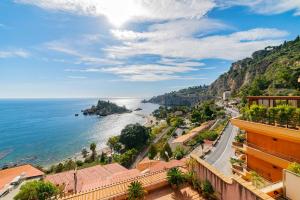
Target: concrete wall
[265,169]
[227,188]
[291,185]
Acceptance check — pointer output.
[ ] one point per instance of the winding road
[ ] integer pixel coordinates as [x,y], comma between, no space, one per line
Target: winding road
[221,153]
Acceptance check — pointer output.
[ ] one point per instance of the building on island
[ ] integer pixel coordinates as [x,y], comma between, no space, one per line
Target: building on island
[268,149]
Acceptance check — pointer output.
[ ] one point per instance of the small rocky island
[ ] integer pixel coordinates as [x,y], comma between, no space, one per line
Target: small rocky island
[104,108]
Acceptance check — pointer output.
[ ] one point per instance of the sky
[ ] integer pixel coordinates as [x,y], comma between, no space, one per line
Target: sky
[131,48]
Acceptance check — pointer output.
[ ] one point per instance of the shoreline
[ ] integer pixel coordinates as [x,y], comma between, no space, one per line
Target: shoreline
[150,120]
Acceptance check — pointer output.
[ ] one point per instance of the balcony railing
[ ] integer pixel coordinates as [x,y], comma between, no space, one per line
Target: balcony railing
[274,153]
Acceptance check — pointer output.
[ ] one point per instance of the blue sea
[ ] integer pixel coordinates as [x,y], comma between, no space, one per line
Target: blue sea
[46,131]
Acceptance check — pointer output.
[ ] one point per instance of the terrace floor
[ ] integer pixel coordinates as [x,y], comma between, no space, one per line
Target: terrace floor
[167,193]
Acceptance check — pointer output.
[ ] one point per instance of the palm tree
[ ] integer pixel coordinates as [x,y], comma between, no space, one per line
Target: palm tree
[175,177]
[136,191]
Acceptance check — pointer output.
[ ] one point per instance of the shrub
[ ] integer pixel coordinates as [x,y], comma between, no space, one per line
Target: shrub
[207,188]
[175,177]
[136,191]
[179,153]
[38,190]
[294,167]
[152,152]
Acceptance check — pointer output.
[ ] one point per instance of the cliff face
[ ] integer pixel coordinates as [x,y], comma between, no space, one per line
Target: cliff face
[272,71]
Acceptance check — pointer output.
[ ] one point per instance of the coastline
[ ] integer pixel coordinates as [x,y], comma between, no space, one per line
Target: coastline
[150,120]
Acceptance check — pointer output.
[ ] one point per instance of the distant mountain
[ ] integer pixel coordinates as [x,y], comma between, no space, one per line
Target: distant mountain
[185,97]
[272,71]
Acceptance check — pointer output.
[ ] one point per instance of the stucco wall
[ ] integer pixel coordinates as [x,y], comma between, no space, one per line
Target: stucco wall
[227,188]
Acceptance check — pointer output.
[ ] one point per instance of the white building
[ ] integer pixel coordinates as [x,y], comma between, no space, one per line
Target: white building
[226,95]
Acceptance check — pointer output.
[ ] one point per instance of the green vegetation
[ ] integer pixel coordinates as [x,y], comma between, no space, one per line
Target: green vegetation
[166,152]
[157,129]
[37,190]
[282,115]
[114,143]
[240,138]
[175,177]
[179,153]
[207,110]
[152,152]
[294,167]
[185,97]
[127,158]
[134,136]
[207,190]
[272,71]
[237,161]
[257,180]
[105,108]
[136,191]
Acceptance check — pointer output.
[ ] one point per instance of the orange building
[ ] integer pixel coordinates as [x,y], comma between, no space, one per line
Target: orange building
[268,149]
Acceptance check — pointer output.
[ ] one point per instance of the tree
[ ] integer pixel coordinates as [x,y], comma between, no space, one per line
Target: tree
[175,177]
[166,152]
[152,152]
[127,158]
[179,153]
[136,191]
[134,136]
[93,147]
[69,165]
[113,143]
[59,168]
[37,190]
[103,158]
[84,153]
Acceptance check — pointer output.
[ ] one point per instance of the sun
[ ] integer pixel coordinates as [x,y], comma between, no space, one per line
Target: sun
[119,12]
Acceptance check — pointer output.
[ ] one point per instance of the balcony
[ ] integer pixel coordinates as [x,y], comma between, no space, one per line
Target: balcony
[267,157]
[268,130]
[274,153]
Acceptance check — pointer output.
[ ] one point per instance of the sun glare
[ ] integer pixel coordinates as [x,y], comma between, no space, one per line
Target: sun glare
[119,12]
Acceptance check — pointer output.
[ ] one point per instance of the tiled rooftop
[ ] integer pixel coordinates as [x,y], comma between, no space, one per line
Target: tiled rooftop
[7,175]
[92,177]
[190,135]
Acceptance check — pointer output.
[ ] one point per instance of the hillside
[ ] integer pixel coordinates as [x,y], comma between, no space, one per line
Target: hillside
[186,97]
[271,71]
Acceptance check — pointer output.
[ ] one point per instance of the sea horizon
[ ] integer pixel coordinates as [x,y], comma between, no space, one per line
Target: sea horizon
[44,131]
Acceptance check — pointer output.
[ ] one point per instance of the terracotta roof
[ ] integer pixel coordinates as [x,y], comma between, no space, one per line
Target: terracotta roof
[152,180]
[190,135]
[146,163]
[7,175]
[92,177]
[162,165]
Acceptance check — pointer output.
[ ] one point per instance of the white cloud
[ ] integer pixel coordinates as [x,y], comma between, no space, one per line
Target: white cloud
[73,49]
[14,53]
[229,47]
[120,11]
[267,7]
[171,29]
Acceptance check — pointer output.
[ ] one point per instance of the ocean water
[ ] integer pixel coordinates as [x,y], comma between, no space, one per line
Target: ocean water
[46,131]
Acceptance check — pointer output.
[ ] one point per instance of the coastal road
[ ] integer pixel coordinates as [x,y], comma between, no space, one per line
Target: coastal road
[143,154]
[220,155]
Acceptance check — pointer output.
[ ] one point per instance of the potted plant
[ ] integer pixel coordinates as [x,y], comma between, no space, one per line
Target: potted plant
[175,177]
[136,191]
